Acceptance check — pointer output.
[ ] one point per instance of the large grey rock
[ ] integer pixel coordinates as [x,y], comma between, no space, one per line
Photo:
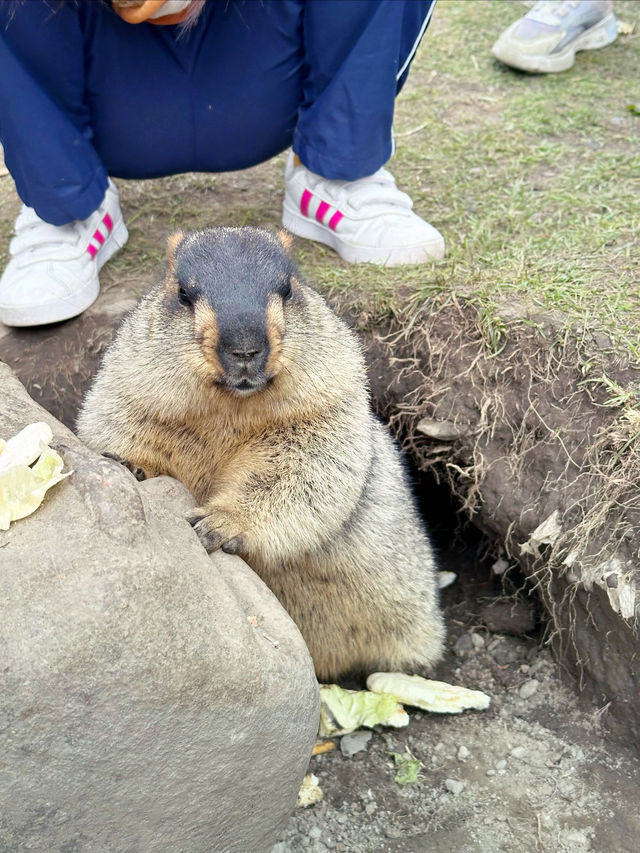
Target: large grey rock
[153,699]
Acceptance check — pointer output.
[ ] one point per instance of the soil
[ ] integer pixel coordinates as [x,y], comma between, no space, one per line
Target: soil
[533,773]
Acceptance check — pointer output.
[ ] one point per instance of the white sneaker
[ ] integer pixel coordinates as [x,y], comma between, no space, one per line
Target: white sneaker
[365,221]
[52,273]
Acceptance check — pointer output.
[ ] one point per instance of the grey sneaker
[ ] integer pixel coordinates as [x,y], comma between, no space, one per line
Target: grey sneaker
[548,37]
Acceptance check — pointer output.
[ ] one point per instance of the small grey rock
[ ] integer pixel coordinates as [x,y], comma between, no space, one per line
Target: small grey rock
[440,430]
[463,645]
[370,808]
[454,786]
[463,753]
[393,832]
[354,742]
[500,765]
[519,752]
[506,651]
[477,641]
[315,832]
[575,838]
[528,689]
[500,567]
[509,616]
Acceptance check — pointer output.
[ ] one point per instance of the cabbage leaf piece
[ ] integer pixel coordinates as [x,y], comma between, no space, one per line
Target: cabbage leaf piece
[343,711]
[435,696]
[26,446]
[22,488]
[408,768]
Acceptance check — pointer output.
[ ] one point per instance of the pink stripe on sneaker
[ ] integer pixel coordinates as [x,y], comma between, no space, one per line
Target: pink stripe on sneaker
[304,202]
[337,216]
[323,207]
[108,221]
[92,250]
[97,235]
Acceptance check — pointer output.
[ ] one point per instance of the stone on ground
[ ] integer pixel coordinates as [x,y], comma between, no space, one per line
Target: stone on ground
[153,699]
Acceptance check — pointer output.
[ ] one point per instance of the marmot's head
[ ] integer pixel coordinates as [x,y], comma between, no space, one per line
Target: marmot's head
[227,292]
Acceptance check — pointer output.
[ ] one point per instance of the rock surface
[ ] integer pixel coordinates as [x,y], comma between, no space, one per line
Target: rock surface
[154,699]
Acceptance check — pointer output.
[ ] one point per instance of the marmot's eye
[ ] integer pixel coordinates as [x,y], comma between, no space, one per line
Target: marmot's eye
[286,289]
[183,296]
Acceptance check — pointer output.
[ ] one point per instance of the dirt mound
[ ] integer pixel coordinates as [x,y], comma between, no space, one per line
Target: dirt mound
[537,431]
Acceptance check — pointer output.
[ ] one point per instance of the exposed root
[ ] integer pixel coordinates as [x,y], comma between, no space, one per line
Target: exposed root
[548,422]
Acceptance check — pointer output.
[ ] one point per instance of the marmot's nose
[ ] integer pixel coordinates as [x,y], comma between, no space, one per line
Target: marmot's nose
[246,356]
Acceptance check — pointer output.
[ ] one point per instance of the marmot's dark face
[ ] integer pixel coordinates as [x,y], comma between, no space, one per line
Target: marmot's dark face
[231,286]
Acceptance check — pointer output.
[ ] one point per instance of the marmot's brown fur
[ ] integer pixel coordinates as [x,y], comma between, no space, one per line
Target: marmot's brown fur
[235,377]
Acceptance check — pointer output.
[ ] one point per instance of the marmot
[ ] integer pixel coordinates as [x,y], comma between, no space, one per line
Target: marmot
[235,377]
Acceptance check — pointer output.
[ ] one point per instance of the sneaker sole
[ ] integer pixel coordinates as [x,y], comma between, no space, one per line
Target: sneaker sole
[58,310]
[603,33]
[310,230]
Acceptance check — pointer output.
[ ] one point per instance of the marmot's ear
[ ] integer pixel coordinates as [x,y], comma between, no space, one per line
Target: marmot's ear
[172,244]
[286,239]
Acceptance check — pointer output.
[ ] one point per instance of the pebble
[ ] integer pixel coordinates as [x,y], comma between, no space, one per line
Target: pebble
[477,641]
[392,832]
[500,567]
[491,772]
[505,652]
[463,645]
[370,808]
[463,753]
[519,752]
[354,742]
[342,819]
[575,837]
[454,786]
[445,579]
[281,847]
[501,764]
[315,832]
[509,616]
[527,689]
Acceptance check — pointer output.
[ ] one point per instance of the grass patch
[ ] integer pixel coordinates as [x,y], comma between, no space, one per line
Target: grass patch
[533,180]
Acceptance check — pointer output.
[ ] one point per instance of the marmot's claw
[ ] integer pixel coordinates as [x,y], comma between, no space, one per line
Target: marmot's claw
[210,534]
[138,473]
[211,539]
[195,516]
[232,546]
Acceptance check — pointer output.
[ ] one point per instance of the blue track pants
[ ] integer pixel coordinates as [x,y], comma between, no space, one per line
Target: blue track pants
[84,95]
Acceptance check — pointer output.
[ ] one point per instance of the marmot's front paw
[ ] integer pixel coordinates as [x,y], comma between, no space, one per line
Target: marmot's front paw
[138,472]
[216,531]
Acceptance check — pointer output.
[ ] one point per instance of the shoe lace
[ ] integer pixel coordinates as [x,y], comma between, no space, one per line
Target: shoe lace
[33,235]
[378,189]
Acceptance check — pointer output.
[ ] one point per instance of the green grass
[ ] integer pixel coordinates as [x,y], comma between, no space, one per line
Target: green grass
[534,180]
